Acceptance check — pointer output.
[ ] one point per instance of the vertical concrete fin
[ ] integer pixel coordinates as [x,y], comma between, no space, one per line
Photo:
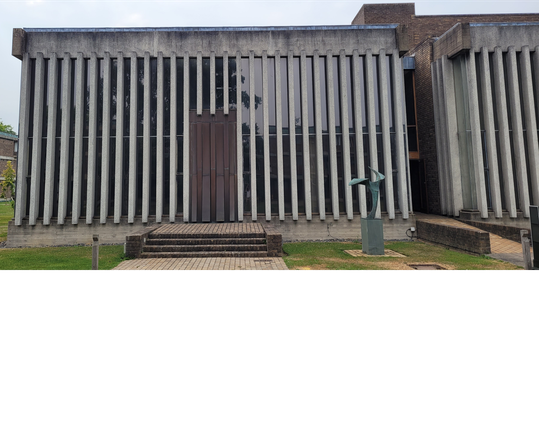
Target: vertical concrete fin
[319,139]
[159,140]
[358,121]
[490,133]
[292,134]
[265,106]
[212,83]
[345,129]
[475,123]
[199,83]
[400,128]
[383,86]
[252,136]
[437,103]
[371,119]
[332,135]
[133,140]
[146,140]
[518,134]
[92,139]
[105,148]
[64,141]
[279,128]
[225,83]
[503,127]
[530,118]
[119,168]
[37,140]
[186,138]
[305,134]
[51,138]
[239,137]
[23,154]
[173,138]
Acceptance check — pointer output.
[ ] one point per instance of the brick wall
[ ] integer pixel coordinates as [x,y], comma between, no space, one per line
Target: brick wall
[474,241]
[425,122]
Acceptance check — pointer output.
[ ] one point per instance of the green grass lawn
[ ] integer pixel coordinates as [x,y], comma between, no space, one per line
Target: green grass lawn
[305,255]
[60,258]
[6,214]
[331,256]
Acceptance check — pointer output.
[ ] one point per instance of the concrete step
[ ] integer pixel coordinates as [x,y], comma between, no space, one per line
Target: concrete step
[203,248]
[217,241]
[255,254]
[153,236]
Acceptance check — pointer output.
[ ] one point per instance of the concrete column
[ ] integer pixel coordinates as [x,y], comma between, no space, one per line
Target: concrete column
[279,128]
[64,145]
[239,137]
[358,120]
[199,83]
[252,136]
[159,140]
[186,138]
[37,138]
[119,164]
[452,134]
[23,154]
[146,141]
[371,121]
[292,131]
[133,140]
[440,151]
[265,107]
[225,83]
[105,144]
[332,136]
[530,119]
[319,138]
[475,123]
[503,127]
[345,128]
[92,139]
[386,138]
[173,141]
[79,121]
[400,128]
[518,136]
[212,83]
[305,133]
[490,134]
[51,138]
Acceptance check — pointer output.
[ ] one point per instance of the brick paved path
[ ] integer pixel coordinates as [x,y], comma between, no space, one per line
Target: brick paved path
[207,263]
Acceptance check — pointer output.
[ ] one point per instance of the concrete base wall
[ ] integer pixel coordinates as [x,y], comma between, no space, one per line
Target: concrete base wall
[331,229]
[519,222]
[110,233]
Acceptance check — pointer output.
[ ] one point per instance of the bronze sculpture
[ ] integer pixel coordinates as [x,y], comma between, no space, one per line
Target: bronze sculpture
[374,187]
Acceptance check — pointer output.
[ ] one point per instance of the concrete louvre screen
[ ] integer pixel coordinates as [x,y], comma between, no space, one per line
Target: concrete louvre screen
[116,140]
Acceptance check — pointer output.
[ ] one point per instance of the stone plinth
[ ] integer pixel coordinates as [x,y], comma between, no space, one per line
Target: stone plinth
[372,236]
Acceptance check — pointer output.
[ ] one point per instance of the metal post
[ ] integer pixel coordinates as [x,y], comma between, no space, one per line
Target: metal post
[526,249]
[534,222]
[95,252]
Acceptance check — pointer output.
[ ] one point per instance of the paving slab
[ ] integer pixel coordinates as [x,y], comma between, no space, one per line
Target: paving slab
[206,263]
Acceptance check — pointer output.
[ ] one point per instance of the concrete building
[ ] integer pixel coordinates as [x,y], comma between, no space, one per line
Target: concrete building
[426,170]
[122,128]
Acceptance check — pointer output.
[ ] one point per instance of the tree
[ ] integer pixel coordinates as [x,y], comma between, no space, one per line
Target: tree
[6,128]
[8,183]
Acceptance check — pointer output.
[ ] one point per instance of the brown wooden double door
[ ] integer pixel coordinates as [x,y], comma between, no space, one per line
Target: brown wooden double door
[213,186]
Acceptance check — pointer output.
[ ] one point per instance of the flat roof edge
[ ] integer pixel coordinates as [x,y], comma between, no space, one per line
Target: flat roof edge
[208,29]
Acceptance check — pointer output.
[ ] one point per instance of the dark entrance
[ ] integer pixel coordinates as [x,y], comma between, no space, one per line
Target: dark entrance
[213,190]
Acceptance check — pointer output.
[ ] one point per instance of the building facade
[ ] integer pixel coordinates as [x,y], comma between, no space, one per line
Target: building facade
[422,32]
[121,128]
[9,144]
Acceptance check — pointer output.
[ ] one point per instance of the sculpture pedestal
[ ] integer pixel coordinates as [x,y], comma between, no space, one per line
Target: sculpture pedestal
[372,236]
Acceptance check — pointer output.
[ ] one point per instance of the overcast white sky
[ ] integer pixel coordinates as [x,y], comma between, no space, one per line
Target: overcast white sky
[187,13]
